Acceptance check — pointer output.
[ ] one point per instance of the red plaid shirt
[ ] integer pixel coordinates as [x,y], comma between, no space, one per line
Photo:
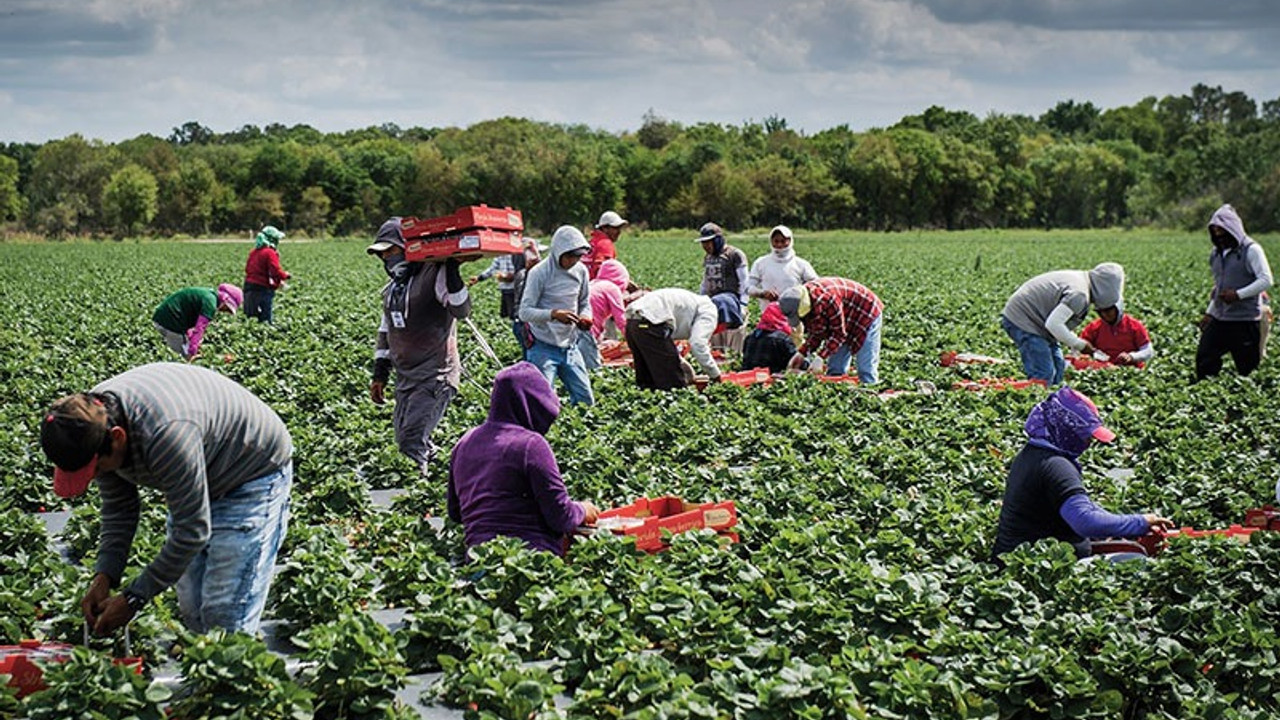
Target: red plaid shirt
[841,312]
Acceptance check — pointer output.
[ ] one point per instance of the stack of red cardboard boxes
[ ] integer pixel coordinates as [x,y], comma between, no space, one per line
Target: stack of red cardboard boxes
[470,232]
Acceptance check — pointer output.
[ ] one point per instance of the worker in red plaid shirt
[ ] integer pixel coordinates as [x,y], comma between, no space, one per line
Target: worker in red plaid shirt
[841,320]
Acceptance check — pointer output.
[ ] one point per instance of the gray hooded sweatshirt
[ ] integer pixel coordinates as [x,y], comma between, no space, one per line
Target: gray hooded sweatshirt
[1034,307]
[1243,268]
[550,287]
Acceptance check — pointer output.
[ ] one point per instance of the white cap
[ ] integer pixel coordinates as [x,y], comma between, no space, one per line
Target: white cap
[786,232]
[611,219]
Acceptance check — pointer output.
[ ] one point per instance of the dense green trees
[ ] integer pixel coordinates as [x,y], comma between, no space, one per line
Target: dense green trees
[1162,161]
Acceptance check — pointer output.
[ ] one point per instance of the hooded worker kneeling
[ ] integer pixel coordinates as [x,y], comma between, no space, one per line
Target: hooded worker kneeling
[503,476]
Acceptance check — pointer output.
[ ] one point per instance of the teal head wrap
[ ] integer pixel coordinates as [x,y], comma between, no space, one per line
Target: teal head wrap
[269,237]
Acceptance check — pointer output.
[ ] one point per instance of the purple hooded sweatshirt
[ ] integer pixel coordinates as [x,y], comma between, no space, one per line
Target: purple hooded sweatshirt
[503,477]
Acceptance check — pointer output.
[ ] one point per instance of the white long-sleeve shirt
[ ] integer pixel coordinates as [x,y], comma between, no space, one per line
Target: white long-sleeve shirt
[691,316]
[770,273]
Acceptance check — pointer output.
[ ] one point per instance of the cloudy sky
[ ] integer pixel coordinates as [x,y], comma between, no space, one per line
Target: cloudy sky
[115,69]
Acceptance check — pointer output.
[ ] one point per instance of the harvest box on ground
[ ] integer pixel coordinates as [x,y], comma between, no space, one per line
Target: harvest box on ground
[22,663]
[646,518]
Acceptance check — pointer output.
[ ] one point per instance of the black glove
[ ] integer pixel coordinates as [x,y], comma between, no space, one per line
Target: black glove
[453,276]
[381,369]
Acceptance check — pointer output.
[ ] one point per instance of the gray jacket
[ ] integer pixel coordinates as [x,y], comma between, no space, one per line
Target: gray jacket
[550,287]
[1035,300]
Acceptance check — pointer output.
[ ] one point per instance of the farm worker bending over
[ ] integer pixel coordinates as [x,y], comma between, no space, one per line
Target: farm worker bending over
[658,319]
[842,319]
[769,345]
[724,280]
[1240,274]
[418,338]
[503,268]
[263,275]
[503,476]
[222,461]
[1044,496]
[771,274]
[183,317]
[609,297]
[1041,313]
[1122,337]
[557,306]
[608,230]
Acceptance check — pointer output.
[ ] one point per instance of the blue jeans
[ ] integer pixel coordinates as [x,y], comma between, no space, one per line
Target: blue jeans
[1041,359]
[868,357]
[565,363]
[225,586]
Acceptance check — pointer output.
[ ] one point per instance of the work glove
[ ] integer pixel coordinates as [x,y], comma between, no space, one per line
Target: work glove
[453,276]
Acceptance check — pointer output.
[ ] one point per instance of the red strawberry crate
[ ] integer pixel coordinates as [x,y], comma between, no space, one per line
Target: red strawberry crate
[646,518]
[747,378]
[1150,544]
[1238,533]
[464,218]
[1265,517]
[23,663]
[839,379]
[996,384]
[468,244]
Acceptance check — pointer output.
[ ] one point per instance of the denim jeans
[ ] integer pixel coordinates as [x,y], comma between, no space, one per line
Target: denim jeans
[868,357]
[225,586]
[565,363]
[1041,359]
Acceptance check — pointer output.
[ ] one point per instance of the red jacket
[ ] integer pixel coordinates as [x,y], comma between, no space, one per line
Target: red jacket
[264,268]
[601,249]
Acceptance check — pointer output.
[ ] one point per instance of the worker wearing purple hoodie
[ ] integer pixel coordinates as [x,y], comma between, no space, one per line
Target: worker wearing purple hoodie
[1240,275]
[1045,497]
[503,476]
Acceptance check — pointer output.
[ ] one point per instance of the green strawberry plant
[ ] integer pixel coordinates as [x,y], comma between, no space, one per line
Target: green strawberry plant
[354,669]
[89,686]
[233,676]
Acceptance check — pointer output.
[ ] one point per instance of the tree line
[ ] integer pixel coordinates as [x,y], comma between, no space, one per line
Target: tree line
[1165,161]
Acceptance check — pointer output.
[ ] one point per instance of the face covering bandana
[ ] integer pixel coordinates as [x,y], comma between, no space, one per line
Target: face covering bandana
[391,262]
[401,274]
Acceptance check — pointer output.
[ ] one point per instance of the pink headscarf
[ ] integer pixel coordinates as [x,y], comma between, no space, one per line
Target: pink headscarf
[614,272]
[231,296]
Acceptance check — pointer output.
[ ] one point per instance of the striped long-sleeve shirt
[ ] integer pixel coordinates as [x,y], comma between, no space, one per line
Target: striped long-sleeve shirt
[841,314]
[195,436]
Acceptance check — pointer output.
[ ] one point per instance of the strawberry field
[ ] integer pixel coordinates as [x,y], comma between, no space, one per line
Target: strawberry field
[860,587]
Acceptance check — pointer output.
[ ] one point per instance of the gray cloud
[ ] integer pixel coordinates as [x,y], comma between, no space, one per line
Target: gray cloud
[38,30]
[1112,15]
